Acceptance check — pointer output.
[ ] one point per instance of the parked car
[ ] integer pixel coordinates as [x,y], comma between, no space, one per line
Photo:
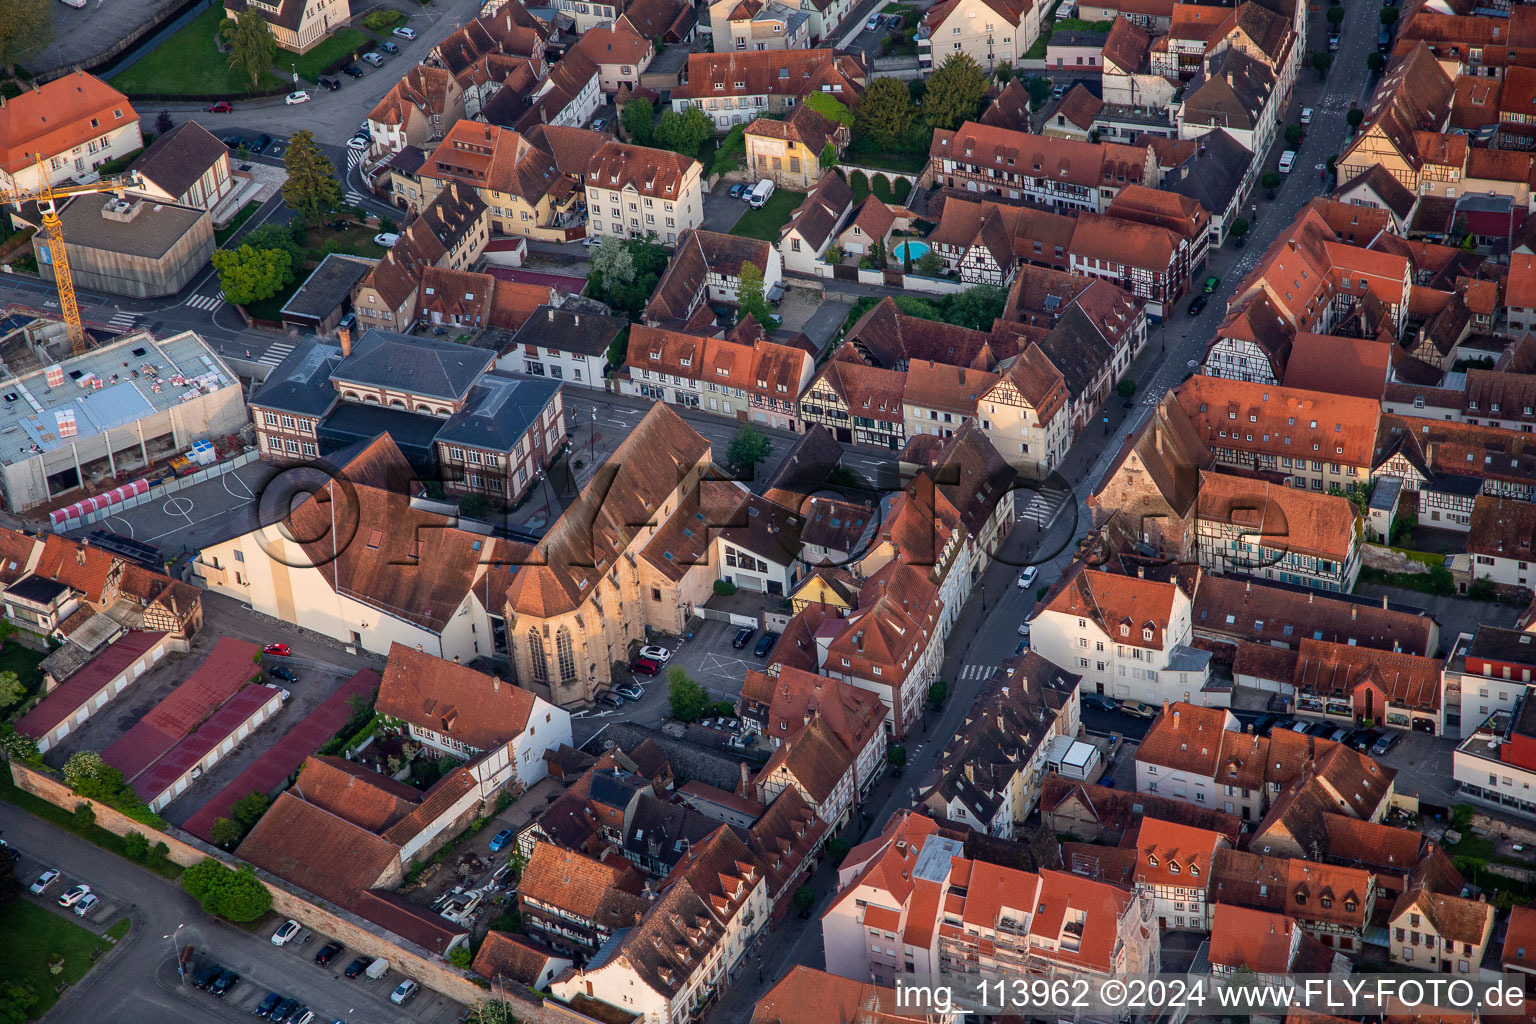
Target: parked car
[330,951]
[1059,91]
[303,1015]
[873,23]
[405,33]
[1028,576]
[1339,735]
[347,323]
[404,992]
[743,637]
[629,691]
[262,142]
[327,82]
[234,141]
[500,840]
[592,240]
[1024,630]
[1319,729]
[285,674]
[1364,739]
[738,190]
[765,644]
[1023,646]
[352,69]
[221,107]
[389,46]
[1386,743]
[283,1011]
[269,1002]
[644,667]
[227,980]
[386,238]
[1287,161]
[1300,727]
[1211,283]
[611,700]
[207,976]
[294,98]
[1306,115]
[656,654]
[44,880]
[599,123]
[75,895]
[357,966]
[280,650]
[86,905]
[1197,304]
[1098,700]
[1138,709]
[374,58]
[285,931]
[358,142]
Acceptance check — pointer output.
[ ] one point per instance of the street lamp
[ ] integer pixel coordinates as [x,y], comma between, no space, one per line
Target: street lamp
[295,68]
[181,971]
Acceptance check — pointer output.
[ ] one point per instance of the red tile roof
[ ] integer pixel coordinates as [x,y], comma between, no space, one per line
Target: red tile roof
[453,700]
[1173,854]
[1253,939]
[57,117]
[320,852]
[770,73]
[78,690]
[1281,518]
[1124,607]
[231,716]
[1248,417]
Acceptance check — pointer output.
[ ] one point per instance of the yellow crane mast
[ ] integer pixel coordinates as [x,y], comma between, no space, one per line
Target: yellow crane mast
[47,198]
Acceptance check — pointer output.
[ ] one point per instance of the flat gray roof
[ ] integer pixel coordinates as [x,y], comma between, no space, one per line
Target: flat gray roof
[151,233]
[328,286]
[103,389]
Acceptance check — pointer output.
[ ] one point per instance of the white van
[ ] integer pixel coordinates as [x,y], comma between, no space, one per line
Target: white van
[760,194]
[1287,161]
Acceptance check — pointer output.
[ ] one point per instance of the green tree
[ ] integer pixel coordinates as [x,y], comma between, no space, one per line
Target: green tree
[1293,135]
[619,348]
[16,1002]
[828,158]
[748,447]
[1461,817]
[639,119]
[612,263]
[461,957]
[749,296]
[805,896]
[19,746]
[1375,62]
[233,895]
[1239,227]
[1271,181]
[938,692]
[1039,91]
[1388,17]
[830,107]
[684,133]
[1355,116]
[249,809]
[11,690]
[85,816]
[1322,61]
[252,47]
[837,848]
[896,755]
[135,845]
[977,307]
[955,92]
[26,26]
[886,113]
[250,275]
[686,698]
[1126,388]
[1335,14]
[85,772]
[276,236]
[930,263]
[10,888]
[226,832]
[473,506]
[312,188]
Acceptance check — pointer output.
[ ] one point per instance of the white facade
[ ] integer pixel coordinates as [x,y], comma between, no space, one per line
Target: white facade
[581,107]
[1238,359]
[628,213]
[570,367]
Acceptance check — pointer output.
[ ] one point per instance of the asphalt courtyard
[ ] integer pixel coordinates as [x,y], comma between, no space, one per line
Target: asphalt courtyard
[213,510]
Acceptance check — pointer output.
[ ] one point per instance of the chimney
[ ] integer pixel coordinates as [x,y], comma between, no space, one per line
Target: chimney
[1354,613]
[746,779]
[495,684]
[456,659]
[1383,602]
[345,337]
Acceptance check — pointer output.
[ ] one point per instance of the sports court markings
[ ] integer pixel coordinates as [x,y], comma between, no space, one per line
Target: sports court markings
[126,527]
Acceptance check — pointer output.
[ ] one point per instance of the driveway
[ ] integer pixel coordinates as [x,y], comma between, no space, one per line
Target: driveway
[1423,764]
[1456,615]
[721,212]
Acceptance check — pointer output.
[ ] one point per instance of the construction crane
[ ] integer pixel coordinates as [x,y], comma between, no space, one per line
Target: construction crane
[47,198]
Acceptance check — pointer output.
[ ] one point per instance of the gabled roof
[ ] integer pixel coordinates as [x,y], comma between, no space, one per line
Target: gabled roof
[478,710]
[177,159]
[1281,518]
[1088,164]
[508,957]
[1232,94]
[820,214]
[1127,46]
[1281,420]
[1126,608]
[57,117]
[593,891]
[319,851]
[1174,854]
[1452,917]
[423,87]
[770,73]
[362,796]
[1010,109]
[650,172]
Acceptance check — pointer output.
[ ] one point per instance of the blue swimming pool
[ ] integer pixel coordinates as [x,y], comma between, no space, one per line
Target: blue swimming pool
[917,250]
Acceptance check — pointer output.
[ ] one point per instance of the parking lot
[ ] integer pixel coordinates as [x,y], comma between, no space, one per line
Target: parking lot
[291,972]
[106,909]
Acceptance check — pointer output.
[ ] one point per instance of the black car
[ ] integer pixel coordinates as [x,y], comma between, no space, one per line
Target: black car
[330,83]
[235,141]
[283,673]
[262,142]
[207,976]
[1364,739]
[353,70]
[226,980]
[1098,700]
[268,1005]
[357,966]
[283,1011]
[1198,303]
[765,644]
[743,637]
[329,953]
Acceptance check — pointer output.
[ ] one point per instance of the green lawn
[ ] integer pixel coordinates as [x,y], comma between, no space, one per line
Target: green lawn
[23,661]
[189,64]
[356,240]
[222,235]
[272,309]
[344,43]
[29,935]
[766,222]
[40,808]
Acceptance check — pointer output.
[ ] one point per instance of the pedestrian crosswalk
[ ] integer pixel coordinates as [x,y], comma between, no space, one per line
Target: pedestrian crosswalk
[276,353]
[207,302]
[976,671]
[1042,505]
[354,157]
[123,322]
[354,197]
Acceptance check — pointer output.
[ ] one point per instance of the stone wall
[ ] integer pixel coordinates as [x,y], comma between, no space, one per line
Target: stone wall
[365,937]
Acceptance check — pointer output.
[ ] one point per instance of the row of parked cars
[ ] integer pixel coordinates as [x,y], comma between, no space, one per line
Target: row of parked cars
[80,898]
[1373,741]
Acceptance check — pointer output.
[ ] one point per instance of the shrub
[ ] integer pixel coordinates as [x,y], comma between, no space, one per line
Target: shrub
[724,588]
[688,700]
[235,896]
[135,846]
[381,19]
[461,957]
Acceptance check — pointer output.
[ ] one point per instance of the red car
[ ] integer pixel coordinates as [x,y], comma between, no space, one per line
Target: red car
[281,650]
[221,107]
[644,667]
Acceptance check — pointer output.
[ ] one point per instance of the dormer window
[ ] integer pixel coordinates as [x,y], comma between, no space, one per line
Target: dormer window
[1146,634]
[1173,868]
[1125,630]
[1151,860]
